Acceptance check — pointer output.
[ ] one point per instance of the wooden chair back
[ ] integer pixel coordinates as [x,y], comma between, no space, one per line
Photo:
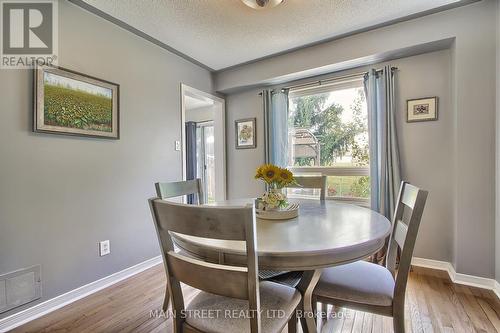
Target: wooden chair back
[406,221]
[177,189]
[224,223]
[314,182]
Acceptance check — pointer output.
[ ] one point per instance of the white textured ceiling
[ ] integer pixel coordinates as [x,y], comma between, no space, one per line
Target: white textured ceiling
[224,33]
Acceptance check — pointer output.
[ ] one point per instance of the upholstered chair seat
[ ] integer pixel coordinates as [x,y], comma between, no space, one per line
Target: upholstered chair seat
[277,303]
[359,282]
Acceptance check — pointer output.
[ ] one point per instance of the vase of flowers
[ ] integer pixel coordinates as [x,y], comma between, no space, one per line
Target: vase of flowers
[276,179]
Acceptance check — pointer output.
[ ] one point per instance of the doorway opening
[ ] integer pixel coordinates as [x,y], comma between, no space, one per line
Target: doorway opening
[203,141]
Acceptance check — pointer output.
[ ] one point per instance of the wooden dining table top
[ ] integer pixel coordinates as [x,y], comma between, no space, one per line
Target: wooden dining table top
[326,233]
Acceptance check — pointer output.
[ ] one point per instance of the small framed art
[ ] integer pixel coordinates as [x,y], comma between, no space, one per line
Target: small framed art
[422,109]
[246,134]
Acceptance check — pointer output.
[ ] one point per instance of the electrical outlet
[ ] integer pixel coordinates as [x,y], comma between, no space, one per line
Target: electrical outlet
[104,248]
[177,145]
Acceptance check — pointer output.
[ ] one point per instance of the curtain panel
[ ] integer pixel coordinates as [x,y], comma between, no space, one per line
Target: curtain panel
[385,173]
[276,126]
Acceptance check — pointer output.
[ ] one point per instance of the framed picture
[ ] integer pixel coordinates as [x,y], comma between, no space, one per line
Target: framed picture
[246,135]
[422,109]
[71,103]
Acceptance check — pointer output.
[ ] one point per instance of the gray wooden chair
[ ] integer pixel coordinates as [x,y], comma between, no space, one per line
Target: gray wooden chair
[222,287]
[373,288]
[313,182]
[177,189]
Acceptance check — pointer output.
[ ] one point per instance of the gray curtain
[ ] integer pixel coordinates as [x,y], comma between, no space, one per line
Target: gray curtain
[384,154]
[191,166]
[276,126]
[385,173]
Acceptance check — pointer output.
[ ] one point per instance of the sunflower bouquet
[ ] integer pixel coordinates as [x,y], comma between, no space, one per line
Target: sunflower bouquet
[276,178]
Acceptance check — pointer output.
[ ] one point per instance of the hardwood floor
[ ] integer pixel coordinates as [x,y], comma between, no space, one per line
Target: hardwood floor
[433,304]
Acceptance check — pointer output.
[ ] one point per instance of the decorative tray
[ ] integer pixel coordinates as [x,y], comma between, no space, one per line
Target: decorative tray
[287,213]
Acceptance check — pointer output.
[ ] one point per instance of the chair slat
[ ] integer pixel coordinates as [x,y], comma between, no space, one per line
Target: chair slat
[409,195]
[216,222]
[400,233]
[229,281]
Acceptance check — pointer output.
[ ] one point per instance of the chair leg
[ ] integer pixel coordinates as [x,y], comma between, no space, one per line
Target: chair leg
[292,322]
[166,300]
[398,322]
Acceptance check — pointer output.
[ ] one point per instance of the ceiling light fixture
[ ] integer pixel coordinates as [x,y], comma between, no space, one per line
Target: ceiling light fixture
[262,4]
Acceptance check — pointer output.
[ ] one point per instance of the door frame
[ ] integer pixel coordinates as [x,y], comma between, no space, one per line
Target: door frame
[219,137]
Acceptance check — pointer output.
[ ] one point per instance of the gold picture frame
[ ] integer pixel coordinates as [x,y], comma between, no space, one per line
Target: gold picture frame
[72,103]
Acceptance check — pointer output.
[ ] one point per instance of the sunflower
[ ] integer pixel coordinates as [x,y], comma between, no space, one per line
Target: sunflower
[285,175]
[258,173]
[270,173]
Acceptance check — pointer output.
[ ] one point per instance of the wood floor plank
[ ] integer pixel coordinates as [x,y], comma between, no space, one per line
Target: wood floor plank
[433,304]
[490,313]
[348,321]
[368,323]
[474,311]
[425,317]
[412,311]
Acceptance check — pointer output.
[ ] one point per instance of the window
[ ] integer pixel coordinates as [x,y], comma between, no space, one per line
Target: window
[328,135]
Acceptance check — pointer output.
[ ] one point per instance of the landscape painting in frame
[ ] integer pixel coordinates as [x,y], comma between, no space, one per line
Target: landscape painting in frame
[72,103]
[245,133]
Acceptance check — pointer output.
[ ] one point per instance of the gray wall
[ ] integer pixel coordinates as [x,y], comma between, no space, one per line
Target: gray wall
[426,148]
[497,225]
[242,163]
[60,195]
[473,59]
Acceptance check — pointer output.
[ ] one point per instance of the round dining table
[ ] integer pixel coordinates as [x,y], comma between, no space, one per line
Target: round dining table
[326,233]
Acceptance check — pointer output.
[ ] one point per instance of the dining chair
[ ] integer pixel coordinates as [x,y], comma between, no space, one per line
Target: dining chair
[311,182]
[177,189]
[374,288]
[224,289]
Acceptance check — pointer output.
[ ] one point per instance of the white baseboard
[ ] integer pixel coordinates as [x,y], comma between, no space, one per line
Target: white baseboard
[55,303]
[459,278]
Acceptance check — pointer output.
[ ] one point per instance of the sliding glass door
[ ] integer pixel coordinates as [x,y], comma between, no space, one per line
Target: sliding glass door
[205,157]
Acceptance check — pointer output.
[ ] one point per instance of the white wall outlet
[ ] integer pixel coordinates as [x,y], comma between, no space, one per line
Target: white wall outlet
[104,248]
[177,145]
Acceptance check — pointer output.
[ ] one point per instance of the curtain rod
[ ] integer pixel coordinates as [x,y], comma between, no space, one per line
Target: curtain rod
[333,79]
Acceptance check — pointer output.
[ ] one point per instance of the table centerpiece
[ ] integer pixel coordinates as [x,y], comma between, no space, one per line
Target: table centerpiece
[273,204]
